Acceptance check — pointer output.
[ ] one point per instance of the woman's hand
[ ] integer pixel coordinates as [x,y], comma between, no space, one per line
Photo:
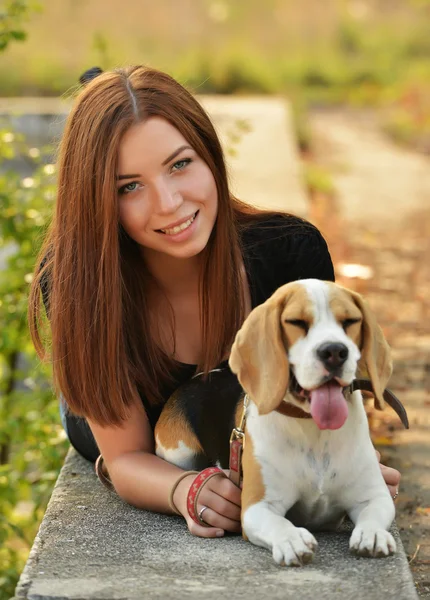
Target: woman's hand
[391,477]
[222,500]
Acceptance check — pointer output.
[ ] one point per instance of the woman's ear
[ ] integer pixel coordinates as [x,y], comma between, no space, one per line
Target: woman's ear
[375,352]
[259,358]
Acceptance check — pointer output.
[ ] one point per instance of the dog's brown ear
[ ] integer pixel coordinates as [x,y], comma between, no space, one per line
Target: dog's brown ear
[259,358]
[375,352]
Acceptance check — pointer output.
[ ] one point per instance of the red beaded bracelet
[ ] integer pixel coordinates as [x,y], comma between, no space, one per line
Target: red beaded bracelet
[195,489]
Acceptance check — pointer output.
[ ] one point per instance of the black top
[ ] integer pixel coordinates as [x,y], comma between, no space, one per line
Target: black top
[276,250]
[282,249]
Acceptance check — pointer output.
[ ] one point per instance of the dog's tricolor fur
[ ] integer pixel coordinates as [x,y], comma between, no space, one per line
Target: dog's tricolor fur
[302,347]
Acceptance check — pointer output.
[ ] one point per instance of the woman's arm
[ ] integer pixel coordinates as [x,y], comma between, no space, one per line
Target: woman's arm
[144,480]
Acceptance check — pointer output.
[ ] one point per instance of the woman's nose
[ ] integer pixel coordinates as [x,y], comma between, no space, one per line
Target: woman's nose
[166,198]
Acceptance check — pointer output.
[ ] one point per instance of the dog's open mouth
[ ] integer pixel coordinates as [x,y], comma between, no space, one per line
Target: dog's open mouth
[296,389]
[328,406]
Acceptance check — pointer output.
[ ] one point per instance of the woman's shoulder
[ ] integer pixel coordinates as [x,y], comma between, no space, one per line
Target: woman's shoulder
[287,246]
[276,230]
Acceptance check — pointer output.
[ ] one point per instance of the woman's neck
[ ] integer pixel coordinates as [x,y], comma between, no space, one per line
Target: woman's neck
[174,276]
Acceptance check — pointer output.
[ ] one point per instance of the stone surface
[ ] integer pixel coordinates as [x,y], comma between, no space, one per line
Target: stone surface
[375,179]
[91,545]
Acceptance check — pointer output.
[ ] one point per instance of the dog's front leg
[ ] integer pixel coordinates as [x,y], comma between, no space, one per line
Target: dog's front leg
[264,526]
[372,519]
[371,509]
[265,502]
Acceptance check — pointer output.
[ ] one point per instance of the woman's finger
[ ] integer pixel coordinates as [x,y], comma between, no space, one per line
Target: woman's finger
[227,473]
[201,531]
[391,476]
[226,489]
[213,518]
[219,504]
[219,501]
[225,508]
[217,497]
[394,491]
[219,512]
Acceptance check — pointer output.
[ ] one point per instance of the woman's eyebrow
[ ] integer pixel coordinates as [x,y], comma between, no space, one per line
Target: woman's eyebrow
[168,159]
[175,153]
[131,176]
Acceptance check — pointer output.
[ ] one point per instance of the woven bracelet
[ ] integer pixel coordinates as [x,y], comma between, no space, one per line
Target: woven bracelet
[195,489]
[173,490]
[100,472]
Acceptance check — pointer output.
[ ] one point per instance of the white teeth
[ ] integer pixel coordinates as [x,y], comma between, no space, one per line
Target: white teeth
[179,228]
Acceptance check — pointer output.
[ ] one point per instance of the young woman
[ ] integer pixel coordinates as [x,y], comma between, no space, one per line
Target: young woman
[148,271]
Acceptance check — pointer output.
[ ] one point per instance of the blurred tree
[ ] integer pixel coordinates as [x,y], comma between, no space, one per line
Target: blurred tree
[13,14]
[32,443]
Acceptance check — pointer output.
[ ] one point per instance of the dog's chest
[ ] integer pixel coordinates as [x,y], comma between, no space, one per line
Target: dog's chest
[303,469]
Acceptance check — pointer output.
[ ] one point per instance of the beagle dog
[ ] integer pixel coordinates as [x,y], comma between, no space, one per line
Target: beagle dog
[308,459]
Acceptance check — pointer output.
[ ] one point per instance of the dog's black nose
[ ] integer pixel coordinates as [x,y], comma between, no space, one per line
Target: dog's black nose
[332,355]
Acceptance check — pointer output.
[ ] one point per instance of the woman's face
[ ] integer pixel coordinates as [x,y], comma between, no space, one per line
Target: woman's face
[167,194]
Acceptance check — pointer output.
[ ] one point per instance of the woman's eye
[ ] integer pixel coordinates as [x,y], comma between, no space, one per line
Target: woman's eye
[181,164]
[129,187]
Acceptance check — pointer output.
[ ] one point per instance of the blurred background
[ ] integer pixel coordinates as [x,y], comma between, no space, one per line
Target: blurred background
[356,76]
[355,51]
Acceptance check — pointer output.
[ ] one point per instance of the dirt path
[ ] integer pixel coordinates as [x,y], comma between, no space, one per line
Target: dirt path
[379,219]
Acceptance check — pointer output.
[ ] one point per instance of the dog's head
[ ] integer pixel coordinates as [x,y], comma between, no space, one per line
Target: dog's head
[309,340]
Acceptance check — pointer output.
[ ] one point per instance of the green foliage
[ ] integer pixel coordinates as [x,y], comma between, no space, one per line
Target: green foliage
[13,14]
[32,442]
[230,46]
[318,179]
[356,53]
[407,119]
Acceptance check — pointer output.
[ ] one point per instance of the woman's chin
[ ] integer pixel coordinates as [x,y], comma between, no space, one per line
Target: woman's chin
[191,251]
[184,251]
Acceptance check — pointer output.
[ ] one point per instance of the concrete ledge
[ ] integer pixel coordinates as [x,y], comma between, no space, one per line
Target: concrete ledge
[91,545]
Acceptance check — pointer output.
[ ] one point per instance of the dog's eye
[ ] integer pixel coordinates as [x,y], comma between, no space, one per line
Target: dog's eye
[298,323]
[348,322]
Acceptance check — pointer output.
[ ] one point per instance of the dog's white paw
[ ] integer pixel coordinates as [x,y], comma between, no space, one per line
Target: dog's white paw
[372,542]
[294,547]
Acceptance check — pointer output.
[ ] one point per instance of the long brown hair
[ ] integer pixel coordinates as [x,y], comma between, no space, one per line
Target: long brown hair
[103,354]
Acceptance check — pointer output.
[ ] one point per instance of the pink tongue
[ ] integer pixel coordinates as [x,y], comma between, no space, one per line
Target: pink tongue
[328,406]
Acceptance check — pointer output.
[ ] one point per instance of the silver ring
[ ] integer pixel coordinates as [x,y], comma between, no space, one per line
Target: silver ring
[396,494]
[201,511]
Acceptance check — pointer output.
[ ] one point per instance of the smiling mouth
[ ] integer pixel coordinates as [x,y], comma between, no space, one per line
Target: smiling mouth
[178,228]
